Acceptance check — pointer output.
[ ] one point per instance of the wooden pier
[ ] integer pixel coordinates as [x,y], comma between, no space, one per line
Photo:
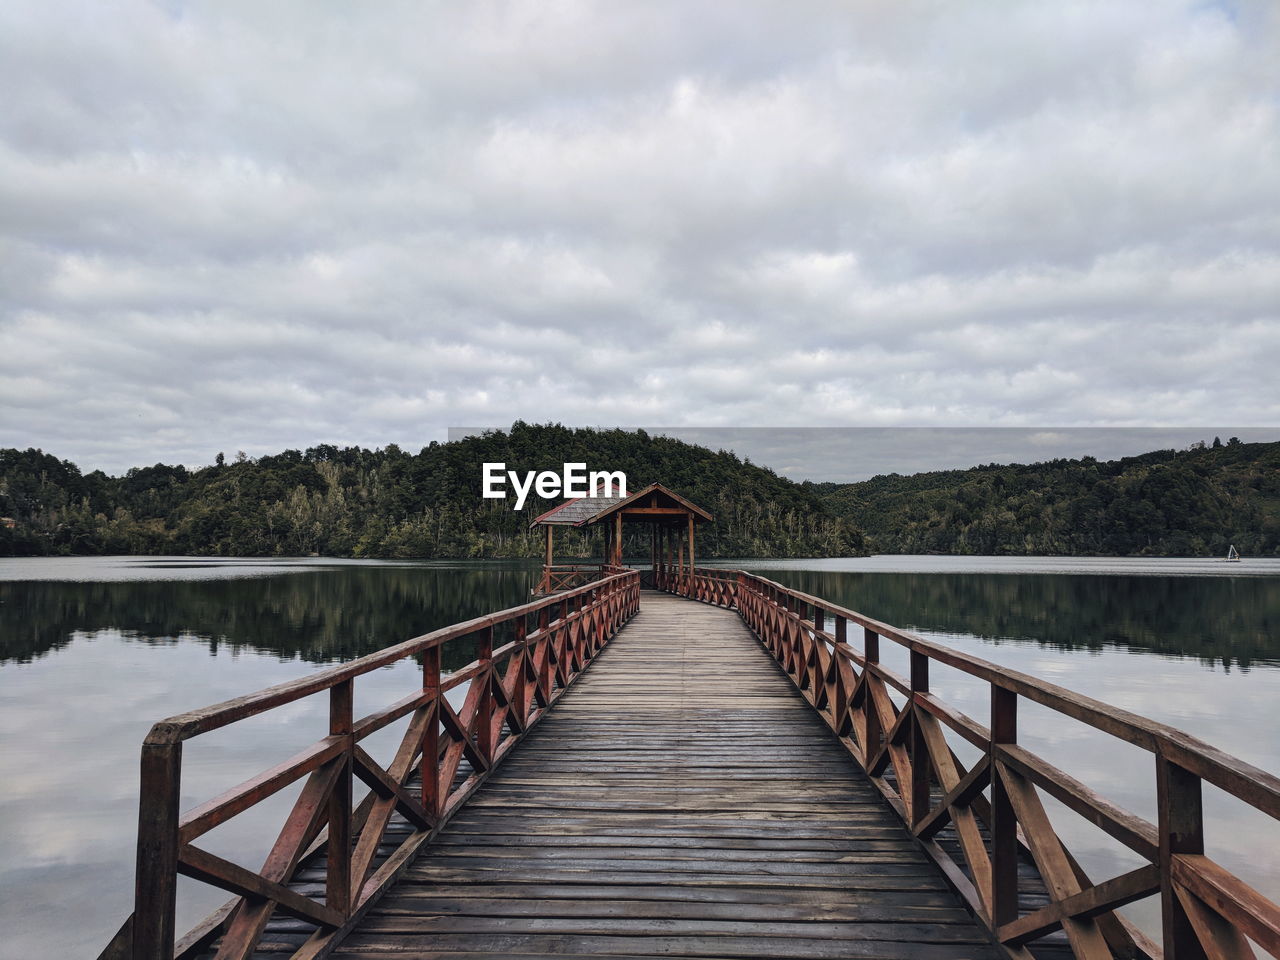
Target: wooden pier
[724,769]
[655,813]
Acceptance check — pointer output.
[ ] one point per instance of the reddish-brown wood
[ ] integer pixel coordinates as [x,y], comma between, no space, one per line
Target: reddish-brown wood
[156,883]
[1099,899]
[692,562]
[338,873]
[1217,938]
[902,748]
[1004,822]
[202,865]
[1181,831]
[507,690]
[245,927]
[1135,833]
[951,776]
[1051,860]
[1229,896]
[568,576]
[905,750]
[429,752]
[918,804]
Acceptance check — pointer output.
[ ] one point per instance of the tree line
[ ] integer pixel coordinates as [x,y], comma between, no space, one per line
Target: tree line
[1167,503]
[391,503]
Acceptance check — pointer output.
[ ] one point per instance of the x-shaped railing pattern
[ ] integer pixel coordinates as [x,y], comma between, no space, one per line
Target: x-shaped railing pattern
[717,587]
[460,726]
[977,822]
[993,810]
[567,576]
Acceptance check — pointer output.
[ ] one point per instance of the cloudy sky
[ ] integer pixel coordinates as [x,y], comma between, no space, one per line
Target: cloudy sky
[255,226]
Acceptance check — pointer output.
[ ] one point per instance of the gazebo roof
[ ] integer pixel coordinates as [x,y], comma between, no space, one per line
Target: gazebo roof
[576,512]
[584,511]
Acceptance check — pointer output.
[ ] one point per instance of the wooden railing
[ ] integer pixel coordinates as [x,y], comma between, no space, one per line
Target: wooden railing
[526,657]
[707,584]
[1206,911]
[568,576]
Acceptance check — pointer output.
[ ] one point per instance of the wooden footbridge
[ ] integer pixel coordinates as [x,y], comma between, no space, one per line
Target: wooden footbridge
[720,769]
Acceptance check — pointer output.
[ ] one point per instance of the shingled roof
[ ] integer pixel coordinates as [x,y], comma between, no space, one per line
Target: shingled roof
[584,510]
[574,513]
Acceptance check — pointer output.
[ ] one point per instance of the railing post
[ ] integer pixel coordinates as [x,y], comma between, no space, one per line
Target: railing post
[430,762]
[693,569]
[840,709]
[156,883]
[802,659]
[819,679]
[870,715]
[544,665]
[1181,826]
[563,649]
[484,708]
[338,880]
[521,659]
[782,642]
[785,605]
[680,578]
[919,748]
[1004,824]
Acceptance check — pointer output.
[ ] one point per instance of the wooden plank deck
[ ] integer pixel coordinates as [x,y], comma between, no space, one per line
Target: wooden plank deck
[682,800]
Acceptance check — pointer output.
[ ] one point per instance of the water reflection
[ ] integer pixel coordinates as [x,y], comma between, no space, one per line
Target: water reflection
[1224,620]
[324,615]
[93,650]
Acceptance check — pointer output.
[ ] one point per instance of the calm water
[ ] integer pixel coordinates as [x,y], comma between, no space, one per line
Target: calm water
[92,651]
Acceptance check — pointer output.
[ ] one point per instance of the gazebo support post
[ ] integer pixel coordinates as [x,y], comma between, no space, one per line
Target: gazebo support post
[693,570]
[679,562]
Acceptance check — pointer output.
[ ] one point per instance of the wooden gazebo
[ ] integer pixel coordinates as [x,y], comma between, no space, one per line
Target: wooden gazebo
[671,520]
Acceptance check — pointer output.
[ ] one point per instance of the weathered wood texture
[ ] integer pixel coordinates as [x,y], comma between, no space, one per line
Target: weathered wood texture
[717,587]
[680,800]
[565,576]
[333,858]
[986,826]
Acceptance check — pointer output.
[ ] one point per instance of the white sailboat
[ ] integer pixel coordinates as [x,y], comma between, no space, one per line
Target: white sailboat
[1232,556]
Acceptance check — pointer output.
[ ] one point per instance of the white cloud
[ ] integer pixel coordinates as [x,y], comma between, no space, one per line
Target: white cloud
[248,227]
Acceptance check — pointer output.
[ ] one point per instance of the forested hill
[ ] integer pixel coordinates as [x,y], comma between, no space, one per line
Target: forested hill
[390,503]
[1168,503]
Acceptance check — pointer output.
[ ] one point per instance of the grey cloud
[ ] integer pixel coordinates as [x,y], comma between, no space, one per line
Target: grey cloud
[249,227]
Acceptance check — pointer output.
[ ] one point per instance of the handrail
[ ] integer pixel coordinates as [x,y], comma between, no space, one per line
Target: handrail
[559,577]
[508,688]
[1205,910]
[979,824]
[183,726]
[1242,779]
[707,584]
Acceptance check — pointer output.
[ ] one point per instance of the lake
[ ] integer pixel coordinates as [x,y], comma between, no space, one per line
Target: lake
[94,650]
